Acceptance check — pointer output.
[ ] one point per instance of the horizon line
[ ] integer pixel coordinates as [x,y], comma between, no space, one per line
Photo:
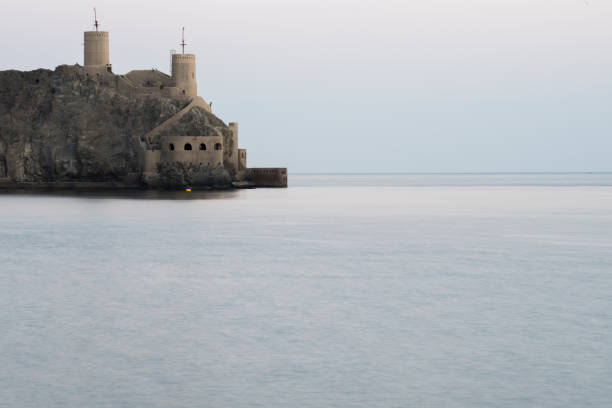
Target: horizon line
[449,173]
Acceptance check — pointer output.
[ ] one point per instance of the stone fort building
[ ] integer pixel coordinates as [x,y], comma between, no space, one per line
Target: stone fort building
[210,151]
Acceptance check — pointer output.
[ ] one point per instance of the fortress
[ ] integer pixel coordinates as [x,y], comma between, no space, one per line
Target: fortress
[181,84]
[184,146]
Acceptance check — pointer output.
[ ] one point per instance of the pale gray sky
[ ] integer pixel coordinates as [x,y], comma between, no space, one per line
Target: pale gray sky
[367,86]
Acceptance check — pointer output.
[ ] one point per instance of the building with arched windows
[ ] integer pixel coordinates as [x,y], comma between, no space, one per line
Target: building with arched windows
[201,150]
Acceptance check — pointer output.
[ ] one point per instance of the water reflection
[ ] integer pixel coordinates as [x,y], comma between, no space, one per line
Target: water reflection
[129,194]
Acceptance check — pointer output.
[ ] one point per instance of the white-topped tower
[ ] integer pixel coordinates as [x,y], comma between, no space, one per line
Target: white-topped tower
[184,71]
[96,47]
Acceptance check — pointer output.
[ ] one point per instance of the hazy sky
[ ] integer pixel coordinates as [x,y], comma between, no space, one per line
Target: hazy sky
[367,86]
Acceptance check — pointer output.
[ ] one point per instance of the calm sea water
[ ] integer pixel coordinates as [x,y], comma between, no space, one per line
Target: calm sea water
[340,291]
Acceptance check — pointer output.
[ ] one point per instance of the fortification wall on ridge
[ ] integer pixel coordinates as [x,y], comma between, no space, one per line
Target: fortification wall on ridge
[149,78]
[126,86]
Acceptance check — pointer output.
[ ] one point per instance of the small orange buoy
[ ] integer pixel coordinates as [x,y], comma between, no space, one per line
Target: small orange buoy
[188,190]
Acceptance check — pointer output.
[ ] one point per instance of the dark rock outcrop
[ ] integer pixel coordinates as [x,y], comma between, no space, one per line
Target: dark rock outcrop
[65,125]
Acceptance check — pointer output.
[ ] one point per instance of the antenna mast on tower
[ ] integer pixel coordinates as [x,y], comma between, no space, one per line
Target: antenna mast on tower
[183,41]
[96,19]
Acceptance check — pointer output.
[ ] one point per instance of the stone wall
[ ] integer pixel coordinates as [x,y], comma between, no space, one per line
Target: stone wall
[149,78]
[268,177]
[126,86]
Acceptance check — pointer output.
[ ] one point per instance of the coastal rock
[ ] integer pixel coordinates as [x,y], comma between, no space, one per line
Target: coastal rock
[66,125]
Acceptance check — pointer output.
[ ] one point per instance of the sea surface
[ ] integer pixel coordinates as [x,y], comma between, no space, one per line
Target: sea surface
[431,290]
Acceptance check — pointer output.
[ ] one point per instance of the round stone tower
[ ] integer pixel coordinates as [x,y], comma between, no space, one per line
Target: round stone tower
[96,49]
[183,73]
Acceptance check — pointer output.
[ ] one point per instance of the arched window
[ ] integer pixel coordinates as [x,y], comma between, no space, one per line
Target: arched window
[202,146]
[217,146]
[187,146]
[171,147]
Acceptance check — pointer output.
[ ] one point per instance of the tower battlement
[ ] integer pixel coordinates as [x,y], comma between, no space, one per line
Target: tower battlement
[96,33]
[183,57]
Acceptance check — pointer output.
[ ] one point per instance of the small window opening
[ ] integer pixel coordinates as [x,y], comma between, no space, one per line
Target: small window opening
[217,146]
[171,147]
[187,146]
[202,146]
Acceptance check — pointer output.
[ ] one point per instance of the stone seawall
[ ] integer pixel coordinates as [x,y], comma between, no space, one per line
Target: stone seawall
[268,177]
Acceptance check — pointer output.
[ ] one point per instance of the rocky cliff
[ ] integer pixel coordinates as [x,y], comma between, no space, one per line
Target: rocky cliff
[65,125]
